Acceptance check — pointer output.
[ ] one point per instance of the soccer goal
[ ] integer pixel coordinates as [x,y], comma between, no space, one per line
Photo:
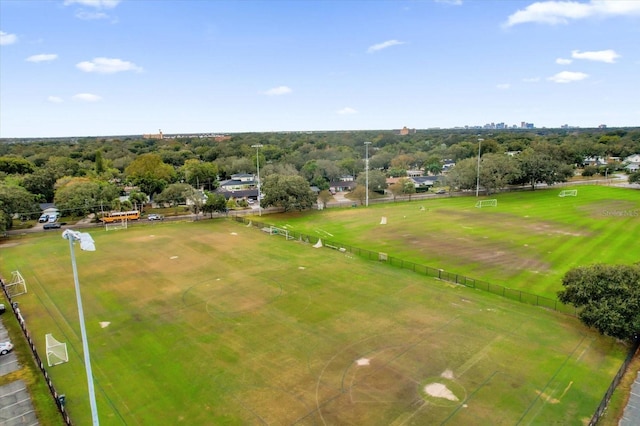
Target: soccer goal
[568,193]
[487,203]
[383,220]
[116,225]
[56,351]
[280,231]
[17,286]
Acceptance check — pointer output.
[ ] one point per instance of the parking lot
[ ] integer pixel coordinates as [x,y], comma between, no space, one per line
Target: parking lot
[15,403]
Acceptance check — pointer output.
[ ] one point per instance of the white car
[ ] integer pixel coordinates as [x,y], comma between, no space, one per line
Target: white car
[5,348]
[155,217]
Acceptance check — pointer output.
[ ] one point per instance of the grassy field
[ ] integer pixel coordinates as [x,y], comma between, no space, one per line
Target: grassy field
[527,242]
[213,322]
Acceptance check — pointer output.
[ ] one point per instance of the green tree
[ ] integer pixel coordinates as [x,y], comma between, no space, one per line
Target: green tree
[80,196]
[216,203]
[150,173]
[174,194]
[15,200]
[15,166]
[634,177]
[377,180]
[360,194]
[287,192]
[463,175]
[608,297]
[200,174]
[324,197]
[403,186]
[540,167]
[40,183]
[100,163]
[139,199]
[496,171]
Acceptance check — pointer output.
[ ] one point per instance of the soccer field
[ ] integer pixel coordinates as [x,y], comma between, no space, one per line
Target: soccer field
[213,322]
[527,242]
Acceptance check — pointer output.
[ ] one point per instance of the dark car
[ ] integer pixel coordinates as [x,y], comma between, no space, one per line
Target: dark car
[54,225]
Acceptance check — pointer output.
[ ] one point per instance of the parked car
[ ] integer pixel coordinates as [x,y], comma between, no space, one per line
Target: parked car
[441,191]
[154,216]
[43,218]
[5,348]
[51,225]
[53,218]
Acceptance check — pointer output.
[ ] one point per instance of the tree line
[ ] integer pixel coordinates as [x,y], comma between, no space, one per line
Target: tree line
[87,175]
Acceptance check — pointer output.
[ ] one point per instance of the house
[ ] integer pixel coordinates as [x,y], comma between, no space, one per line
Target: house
[447,165]
[201,197]
[49,209]
[346,183]
[239,182]
[424,183]
[594,161]
[249,194]
[632,163]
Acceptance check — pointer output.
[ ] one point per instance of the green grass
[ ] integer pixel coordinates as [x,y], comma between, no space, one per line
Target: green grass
[527,242]
[213,322]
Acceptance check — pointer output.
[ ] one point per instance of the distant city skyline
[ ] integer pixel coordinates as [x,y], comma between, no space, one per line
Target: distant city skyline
[73,68]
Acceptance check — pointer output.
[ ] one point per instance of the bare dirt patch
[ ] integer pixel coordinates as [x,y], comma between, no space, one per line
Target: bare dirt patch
[439,390]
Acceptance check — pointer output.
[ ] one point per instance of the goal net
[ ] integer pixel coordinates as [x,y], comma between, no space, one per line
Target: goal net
[114,226]
[318,244]
[279,231]
[17,286]
[56,351]
[568,193]
[383,220]
[487,203]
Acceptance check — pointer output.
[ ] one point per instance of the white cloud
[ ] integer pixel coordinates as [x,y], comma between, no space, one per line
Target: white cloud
[531,79]
[568,77]
[43,57]
[561,12]
[98,4]
[55,99]
[89,16]
[563,61]
[87,97]
[503,86]
[108,66]
[277,91]
[452,2]
[347,111]
[609,56]
[6,38]
[384,45]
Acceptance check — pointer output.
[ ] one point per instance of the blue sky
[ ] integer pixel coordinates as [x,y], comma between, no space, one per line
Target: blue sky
[121,67]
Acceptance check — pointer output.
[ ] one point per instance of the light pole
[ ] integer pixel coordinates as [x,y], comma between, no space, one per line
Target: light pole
[366,166]
[86,243]
[257,147]
[478,171]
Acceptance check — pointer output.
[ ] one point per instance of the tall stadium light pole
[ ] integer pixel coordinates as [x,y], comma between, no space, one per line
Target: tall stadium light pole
[366,166]
[257,147]
[86,243]
[478,171]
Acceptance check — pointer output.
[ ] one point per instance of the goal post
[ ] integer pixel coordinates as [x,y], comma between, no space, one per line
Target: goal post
[56,351]
[487,203]
[568,193]
[17,285]
[273,230]
[115,225]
